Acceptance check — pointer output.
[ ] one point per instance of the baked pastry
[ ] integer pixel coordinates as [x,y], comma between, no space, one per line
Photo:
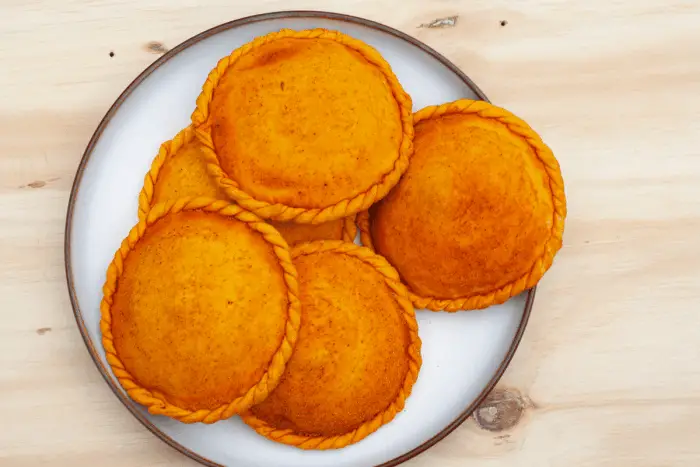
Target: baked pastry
[478,216]
[339,229]
[307,126]
[200,311]
[357,356]
[179,171]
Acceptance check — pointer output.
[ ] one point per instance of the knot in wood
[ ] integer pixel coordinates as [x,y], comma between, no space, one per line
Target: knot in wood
[501,410]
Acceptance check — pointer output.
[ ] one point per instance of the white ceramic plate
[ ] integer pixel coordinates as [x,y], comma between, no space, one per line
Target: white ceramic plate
[464,354]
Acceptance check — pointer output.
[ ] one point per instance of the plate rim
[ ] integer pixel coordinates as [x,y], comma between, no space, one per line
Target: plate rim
[126,401]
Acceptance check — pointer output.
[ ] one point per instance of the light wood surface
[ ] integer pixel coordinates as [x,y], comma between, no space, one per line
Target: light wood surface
[608,373]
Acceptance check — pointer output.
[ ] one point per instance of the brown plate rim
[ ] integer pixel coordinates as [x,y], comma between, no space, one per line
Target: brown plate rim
[130,405]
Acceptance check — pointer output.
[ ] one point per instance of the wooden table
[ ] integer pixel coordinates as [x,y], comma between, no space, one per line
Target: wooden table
[608,373]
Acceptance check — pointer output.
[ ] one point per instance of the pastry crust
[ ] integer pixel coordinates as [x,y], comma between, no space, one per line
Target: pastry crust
[479,215]
[358,353]
[339,229]
[308,126]
[179,171]
[200,311]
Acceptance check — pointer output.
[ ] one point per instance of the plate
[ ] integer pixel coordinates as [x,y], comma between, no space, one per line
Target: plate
[464,354]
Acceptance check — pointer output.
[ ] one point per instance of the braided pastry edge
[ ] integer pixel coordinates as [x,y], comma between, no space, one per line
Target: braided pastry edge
[166,150]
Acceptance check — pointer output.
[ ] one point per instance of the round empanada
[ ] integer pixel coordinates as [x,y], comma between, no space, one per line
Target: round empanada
[357,356]
[478,216]
[307,126]
[200,311]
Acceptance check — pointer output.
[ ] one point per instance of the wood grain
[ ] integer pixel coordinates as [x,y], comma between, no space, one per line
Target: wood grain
[608,373]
